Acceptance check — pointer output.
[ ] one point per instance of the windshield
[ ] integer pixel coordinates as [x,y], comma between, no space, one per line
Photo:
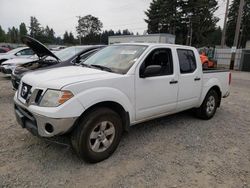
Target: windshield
[118,58]
[68,53]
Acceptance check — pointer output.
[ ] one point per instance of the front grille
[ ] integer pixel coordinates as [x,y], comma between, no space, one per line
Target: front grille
[25,91]
[25,113]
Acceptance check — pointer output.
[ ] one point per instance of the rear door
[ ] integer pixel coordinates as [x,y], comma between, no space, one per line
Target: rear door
[189,79]
[156,94]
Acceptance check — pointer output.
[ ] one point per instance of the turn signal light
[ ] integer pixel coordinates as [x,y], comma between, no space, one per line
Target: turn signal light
[66,95]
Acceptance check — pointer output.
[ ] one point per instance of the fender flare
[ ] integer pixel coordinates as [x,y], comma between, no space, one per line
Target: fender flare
[213,82]
[91,97]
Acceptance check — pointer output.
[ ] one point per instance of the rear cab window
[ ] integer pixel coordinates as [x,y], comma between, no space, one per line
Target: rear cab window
[187,61]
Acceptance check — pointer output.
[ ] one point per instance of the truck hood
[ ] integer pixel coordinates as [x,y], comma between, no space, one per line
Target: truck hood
[39,49]
[59,77]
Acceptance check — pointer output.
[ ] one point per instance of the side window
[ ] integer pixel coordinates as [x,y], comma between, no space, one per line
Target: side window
[87,55]
[84,56]
[26,52]
[186,60]
[162,57]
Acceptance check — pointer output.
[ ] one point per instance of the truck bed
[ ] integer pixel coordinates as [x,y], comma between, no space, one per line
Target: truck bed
[213,70]
[221,76]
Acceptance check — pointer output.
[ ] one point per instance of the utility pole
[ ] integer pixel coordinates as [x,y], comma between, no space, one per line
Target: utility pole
[224,26]
[80,37]
[236,36]
[191,33]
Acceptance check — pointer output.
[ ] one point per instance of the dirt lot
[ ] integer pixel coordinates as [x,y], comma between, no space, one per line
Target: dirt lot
[175,151]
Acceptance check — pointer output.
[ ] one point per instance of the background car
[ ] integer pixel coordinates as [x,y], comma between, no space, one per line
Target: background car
[4,50]
[18,52]
[47,59]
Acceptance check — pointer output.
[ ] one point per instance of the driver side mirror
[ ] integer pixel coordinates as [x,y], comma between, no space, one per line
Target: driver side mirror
[151,70]
[77,60]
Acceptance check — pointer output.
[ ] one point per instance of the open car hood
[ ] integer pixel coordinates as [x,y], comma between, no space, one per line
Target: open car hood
[39,49]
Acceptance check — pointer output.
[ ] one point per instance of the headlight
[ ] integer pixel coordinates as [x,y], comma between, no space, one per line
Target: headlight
[54,98]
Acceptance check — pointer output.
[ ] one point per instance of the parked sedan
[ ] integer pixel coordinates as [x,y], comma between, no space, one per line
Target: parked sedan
[4,50]
[21,52]
[47,59]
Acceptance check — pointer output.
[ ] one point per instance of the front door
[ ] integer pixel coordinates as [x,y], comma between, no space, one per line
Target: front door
[156,93]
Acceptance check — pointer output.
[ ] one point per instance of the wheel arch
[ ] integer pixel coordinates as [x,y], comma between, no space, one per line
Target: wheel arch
[118,108]
[218,91]
[216,88]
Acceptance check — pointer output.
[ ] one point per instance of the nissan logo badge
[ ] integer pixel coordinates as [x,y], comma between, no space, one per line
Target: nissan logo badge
[24,91]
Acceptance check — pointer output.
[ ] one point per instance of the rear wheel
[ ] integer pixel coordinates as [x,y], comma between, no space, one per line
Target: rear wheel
[209,105]
[97,135]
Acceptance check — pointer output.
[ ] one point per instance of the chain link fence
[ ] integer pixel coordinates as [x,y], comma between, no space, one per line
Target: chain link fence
[223,57]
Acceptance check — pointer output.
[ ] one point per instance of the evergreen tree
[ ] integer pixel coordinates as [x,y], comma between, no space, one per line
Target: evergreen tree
[35,28]
[48,35]
[71,38]
[13,35]
[245,23]
[214,38]
[3,37]
[177,17]
[22,29]
[127,32]
[162,16]
[200,14]
[118,32]
[66,37]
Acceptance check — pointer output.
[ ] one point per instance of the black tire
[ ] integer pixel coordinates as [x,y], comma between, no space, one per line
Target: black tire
[203,112]
[80,136]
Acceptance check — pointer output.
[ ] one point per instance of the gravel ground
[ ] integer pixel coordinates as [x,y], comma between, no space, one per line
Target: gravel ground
[174,151]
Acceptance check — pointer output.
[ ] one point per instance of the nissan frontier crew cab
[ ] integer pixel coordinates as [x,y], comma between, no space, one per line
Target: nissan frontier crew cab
[119,86]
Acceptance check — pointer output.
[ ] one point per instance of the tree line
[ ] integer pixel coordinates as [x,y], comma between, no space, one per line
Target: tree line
[88,29]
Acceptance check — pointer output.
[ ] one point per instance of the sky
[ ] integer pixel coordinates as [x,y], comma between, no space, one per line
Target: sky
[61,15]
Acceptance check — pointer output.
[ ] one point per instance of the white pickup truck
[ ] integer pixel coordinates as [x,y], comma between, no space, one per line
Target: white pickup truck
[119,86]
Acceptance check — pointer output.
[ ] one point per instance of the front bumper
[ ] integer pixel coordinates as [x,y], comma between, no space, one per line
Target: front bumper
[41,125]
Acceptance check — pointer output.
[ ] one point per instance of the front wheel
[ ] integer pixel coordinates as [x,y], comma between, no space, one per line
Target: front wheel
[209,105]
[97,135]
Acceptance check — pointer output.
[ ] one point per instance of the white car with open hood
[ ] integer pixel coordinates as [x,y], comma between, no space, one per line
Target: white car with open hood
[117,87]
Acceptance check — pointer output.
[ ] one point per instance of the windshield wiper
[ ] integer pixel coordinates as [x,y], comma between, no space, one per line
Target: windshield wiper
[84,65]
[97,66]
[102,67]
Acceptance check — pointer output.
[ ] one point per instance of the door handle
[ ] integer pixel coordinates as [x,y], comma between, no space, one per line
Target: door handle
[197,79]
[173,82]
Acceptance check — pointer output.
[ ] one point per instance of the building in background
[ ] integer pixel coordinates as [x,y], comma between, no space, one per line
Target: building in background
[150,38]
